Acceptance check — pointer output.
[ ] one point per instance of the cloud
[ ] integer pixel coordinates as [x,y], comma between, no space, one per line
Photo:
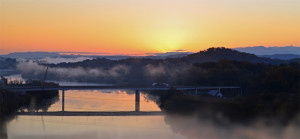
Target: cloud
[82,53]
[181,50]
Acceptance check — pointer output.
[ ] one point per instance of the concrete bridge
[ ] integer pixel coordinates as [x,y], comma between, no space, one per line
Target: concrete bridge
[137,112]
[49,88]
[126,113]
[93,113]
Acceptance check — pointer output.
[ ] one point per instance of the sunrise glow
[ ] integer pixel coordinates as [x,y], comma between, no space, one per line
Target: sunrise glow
[137,27]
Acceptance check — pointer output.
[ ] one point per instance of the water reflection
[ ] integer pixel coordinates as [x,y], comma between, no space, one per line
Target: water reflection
[147,127]
[95,100]
[194,128]
[103,100]
[31,101]
[168,126]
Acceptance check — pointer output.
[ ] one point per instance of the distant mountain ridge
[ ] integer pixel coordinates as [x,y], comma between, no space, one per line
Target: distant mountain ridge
[281,56]
[261,50]
[209,55]
[32,55]
[41,55]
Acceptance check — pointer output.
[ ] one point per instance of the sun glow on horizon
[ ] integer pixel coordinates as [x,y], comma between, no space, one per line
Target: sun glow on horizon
[139,27]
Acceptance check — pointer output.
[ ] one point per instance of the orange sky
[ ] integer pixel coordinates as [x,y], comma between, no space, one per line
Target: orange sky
[137,26]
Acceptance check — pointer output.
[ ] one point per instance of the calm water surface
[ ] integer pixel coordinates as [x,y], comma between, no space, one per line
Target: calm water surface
[132,127]
[90,127]
[126,127]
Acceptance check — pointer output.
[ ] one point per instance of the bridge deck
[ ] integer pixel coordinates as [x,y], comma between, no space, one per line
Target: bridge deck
[93,113]
[39,88]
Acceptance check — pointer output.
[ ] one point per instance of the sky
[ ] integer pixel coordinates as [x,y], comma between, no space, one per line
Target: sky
[146,26]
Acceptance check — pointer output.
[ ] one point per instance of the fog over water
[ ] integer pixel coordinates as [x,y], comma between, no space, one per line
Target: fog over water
[56,60]
[33,69]
[193,127]
[122,73]
[63,83]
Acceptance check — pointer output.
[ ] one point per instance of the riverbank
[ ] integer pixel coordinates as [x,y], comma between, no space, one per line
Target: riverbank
[278,109]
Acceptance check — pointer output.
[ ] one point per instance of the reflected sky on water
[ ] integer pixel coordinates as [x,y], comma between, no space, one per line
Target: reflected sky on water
[125,127]
[94,126]
[132,127]
[96,100]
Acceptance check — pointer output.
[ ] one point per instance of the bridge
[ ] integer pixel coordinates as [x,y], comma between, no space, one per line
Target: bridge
[49,88]
[137,111]
[93,113]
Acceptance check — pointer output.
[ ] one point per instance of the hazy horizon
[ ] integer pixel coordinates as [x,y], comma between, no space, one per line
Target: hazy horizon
[137,27]
[86,53]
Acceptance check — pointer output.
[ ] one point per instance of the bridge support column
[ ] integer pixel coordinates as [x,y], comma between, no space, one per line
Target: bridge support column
[1,101]
[63,100]
[137,100]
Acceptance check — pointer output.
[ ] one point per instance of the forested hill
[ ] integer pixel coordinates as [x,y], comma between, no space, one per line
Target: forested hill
[7,63]
[216,54]
[205,68]
[209,55]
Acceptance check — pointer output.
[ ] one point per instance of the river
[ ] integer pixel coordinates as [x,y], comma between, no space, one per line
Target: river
[164,126]
[126,127]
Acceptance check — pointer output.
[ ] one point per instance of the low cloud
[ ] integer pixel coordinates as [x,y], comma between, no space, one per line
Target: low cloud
[57,60]
[36,71]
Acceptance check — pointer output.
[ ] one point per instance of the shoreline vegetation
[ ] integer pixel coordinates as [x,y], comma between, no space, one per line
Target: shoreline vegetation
[11,102]
[273,109]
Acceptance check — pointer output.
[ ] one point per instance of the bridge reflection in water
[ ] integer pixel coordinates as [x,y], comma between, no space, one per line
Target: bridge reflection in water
[93,113]
[63,112]
[137,111]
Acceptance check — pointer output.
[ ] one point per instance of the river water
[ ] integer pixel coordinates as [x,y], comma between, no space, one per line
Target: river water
[164,126]
[90,127]
[127,127]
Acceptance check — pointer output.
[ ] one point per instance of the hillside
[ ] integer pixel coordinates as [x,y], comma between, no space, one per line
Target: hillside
[209,55]
[216,54]
[7,63]
[144,71]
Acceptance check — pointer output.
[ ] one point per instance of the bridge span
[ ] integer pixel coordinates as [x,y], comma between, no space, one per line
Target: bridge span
[93,113]
[49,88]
[137,96]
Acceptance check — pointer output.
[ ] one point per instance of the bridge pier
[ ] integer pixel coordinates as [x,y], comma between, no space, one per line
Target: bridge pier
[1,101]
[137,100]
[63,100]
